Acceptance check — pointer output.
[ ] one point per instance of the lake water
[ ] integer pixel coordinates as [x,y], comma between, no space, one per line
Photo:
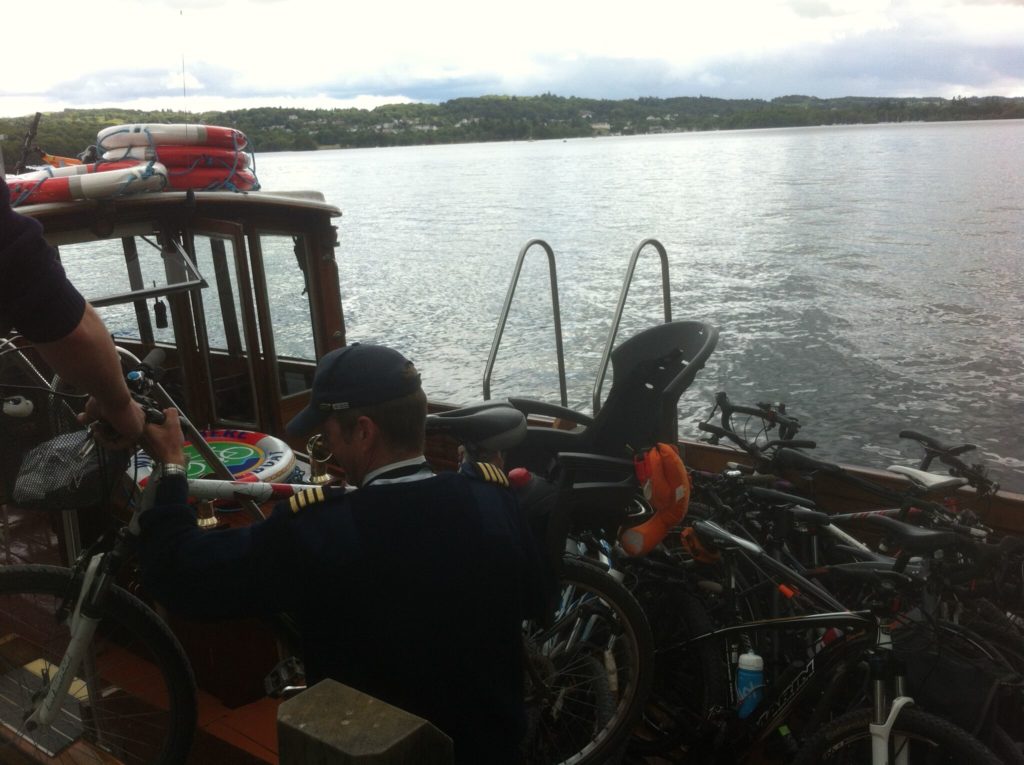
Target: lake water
[872,277]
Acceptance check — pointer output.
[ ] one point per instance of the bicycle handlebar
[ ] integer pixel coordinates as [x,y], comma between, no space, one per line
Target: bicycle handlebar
[772,413]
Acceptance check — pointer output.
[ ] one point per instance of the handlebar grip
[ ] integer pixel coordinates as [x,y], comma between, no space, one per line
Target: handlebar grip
[714,430]
[155,416]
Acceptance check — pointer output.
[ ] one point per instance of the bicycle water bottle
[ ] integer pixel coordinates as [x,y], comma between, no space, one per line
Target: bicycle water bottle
[749,683]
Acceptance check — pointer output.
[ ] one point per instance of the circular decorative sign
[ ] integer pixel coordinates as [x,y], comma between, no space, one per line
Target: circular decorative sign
[248,455]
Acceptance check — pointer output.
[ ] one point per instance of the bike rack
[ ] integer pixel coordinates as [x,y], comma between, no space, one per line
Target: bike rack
[504,318]
[666,299]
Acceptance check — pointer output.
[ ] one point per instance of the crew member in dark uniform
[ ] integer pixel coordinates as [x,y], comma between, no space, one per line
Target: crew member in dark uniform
[411,588]
[37,299]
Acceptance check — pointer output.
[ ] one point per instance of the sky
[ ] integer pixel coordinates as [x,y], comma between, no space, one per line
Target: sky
[199,55]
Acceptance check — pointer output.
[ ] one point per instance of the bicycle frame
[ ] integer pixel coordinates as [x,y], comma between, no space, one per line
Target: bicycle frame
[825,668]
[822,670]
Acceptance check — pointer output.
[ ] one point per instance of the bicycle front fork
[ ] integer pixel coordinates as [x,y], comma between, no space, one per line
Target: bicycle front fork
[82,626]
[887,672]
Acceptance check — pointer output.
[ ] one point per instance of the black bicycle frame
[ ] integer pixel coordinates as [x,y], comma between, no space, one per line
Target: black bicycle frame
[820,669]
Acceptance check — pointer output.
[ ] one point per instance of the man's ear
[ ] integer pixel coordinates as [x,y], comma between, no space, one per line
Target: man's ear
[366,430]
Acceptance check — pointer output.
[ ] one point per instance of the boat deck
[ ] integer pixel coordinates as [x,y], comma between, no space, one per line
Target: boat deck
[246,735]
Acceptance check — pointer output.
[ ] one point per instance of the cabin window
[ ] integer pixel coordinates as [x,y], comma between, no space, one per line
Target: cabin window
[284,259]
[221,316]
[120,277]
[110,272]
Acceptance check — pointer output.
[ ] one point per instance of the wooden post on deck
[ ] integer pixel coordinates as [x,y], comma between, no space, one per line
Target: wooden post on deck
[332,724]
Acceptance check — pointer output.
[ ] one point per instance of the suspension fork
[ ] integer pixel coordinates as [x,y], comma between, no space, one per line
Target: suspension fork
[83,623]
[100,574]
[887,672]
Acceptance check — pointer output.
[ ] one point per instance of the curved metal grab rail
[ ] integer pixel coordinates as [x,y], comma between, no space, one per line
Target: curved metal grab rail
[504,318]
[666,299]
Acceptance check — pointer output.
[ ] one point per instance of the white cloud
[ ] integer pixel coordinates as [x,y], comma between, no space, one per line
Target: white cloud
[230,52]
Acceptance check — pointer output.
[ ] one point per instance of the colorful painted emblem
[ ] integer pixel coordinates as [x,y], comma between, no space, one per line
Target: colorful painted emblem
[248,455]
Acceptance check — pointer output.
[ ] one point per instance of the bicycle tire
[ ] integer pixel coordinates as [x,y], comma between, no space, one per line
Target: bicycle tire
[930,739]
[577,717]
[1004,745]
[691,682]
[134,700]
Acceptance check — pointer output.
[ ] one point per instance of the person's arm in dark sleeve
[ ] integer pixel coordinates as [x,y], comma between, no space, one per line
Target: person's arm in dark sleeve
[536,593]
[37,299]
[249,571]
[35,294]
[210,572]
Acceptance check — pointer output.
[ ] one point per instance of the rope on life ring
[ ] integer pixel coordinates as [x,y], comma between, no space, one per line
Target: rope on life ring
[154,134]
[101,180]
[180,156]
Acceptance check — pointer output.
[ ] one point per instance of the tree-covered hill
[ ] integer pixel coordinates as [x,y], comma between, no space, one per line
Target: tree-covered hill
[504,118]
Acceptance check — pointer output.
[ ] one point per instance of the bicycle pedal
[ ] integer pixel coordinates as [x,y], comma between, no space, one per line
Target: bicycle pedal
[285,677]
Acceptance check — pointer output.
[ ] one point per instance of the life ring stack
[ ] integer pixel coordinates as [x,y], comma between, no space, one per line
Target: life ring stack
[146,158]
[197,157]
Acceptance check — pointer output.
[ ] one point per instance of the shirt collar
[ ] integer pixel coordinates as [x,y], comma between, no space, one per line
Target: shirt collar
[378,475]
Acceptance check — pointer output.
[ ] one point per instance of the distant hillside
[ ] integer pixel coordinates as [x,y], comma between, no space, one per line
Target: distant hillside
[506,118]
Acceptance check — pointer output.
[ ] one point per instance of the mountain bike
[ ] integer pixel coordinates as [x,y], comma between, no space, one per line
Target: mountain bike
[88,671]
[816,680]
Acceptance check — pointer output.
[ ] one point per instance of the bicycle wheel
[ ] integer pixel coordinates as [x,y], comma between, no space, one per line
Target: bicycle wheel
[589,673]
[133,698]
[691,681]
[927,739]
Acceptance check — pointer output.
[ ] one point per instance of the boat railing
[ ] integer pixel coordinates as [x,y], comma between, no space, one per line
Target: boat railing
[617,318]
[503,319]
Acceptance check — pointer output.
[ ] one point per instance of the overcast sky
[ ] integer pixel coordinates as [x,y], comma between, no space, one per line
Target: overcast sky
[197,55]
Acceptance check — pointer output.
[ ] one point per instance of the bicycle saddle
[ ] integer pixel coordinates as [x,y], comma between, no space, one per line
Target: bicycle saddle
[493,426]
[914,539]
[928,481]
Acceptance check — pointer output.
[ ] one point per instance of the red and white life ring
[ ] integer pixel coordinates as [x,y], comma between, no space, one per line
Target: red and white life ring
[182,156]
[102,166]
[248,455]
[211,179]
[100,180]
[155,134]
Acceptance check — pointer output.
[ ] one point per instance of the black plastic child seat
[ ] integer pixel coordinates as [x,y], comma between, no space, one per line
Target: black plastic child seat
[650,371]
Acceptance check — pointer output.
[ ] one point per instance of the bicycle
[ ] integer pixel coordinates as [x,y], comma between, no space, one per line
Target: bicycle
[88,671]
[798,702]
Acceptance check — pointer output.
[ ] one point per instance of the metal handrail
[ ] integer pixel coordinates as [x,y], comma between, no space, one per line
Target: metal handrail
[504,318]
[666,299]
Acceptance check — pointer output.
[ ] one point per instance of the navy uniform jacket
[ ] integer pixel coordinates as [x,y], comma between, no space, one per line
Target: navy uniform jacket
[35,295]
[411,592]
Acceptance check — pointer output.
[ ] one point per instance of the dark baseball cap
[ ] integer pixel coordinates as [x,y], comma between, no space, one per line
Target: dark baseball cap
[351,377]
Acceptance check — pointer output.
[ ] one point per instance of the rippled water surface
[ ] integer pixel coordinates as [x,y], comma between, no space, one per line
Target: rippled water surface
[870,276]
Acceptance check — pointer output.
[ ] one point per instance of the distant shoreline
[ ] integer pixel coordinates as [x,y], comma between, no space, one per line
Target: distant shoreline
[508,118]
[675,132]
